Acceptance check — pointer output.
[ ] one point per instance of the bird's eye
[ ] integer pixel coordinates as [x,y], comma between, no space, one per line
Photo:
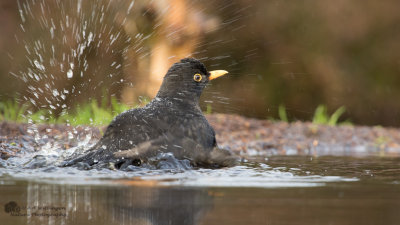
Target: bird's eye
[197,77]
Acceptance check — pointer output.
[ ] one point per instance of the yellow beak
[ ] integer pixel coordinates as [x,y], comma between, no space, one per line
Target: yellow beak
[217,73]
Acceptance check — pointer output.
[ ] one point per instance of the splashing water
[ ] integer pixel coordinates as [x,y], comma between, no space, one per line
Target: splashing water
[63,42]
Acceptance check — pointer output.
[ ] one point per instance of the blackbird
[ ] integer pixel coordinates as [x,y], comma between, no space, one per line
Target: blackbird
[172,122]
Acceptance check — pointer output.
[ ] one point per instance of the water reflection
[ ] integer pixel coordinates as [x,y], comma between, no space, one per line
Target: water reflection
[71,204]
[144,205]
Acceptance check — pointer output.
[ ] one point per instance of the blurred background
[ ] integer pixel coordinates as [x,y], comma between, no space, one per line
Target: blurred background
[299,54]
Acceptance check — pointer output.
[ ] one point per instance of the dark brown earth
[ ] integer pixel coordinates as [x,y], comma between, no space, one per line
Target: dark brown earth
[244,136]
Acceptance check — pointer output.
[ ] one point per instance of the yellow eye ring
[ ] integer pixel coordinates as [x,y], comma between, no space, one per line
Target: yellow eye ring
[197,77]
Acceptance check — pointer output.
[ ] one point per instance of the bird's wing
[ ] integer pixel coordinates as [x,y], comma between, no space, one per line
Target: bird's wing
[182,148]
[131,128]
[126,131]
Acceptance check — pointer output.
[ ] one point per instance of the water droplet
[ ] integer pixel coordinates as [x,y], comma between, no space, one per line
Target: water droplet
[38,65]
[79,6]
[130,7]
[55,93]
[52,34]
[70,74]
[90,38]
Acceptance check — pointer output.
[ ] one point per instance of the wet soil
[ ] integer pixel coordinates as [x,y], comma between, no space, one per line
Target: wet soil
[244,136]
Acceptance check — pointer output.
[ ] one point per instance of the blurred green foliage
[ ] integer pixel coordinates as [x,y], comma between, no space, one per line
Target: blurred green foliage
[94,114]
[282,113]
[208,109]
[13,111]
[97,114]
[91,113]
[321,115]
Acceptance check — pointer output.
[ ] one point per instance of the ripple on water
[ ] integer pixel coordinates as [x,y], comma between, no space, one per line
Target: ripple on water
[174,173]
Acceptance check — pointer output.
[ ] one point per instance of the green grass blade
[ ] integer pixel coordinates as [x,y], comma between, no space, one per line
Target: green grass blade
[335,116]
[320,115]
[282,113]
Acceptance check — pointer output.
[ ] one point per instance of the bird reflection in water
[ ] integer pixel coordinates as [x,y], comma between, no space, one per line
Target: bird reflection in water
[131,202]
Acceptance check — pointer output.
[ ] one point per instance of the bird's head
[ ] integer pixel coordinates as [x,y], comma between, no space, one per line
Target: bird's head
[186,80]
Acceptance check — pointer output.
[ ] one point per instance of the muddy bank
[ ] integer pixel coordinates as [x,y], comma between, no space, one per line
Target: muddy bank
[244,136]
[258,137]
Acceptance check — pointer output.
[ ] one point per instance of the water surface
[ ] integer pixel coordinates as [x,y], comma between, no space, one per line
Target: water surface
[274,190]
